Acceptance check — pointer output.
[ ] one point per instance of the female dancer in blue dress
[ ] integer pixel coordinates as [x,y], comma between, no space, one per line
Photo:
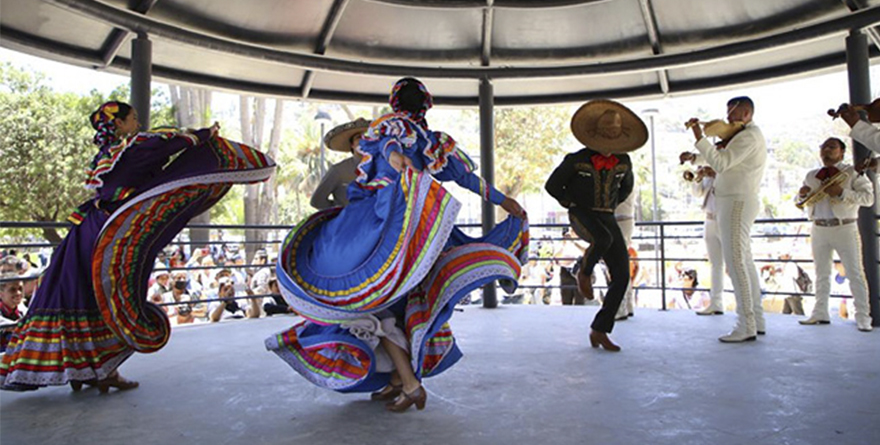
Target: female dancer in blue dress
[377,280]
[90,314]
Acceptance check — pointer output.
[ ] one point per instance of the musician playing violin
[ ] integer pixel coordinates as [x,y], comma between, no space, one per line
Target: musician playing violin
[739,168]
[834,228]
[862,132]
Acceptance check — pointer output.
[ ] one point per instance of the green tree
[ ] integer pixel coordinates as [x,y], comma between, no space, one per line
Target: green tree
[527,141]
[45,144]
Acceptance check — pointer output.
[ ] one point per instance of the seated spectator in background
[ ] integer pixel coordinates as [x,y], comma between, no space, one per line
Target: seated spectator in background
[162,258]
[566,257]
[11,306]
[532,275]
[207,275]
[840,287]
[233,254]
[794,279]
[770,277]
[177,259]
[161,285]
[31,283]
[228,307]
[260,261]
[220,259]
[184,311]
[199,256]
[9,264]
[690,298]
[278,306]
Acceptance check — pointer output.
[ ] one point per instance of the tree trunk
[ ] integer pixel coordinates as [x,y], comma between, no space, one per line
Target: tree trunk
[267,210]
[252,193]
[191,107]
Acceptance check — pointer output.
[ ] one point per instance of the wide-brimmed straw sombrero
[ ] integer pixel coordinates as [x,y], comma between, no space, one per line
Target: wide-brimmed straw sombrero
[339,138]
[608,127]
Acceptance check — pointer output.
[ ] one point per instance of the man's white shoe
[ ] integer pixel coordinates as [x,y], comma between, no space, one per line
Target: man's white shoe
[865,326]
[737,336]
[710,311]
[812,321]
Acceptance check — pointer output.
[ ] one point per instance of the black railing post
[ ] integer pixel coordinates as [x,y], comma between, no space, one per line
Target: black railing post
[662,266]
[858,70]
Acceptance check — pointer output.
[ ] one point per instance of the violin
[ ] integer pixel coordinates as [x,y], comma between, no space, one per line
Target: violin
[723,130]
[873,110]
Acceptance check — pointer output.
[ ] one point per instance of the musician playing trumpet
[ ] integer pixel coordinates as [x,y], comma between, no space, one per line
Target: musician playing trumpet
[833,195]
[703,186]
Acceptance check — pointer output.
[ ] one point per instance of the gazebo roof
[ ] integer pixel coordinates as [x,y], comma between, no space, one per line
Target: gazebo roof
[533,51]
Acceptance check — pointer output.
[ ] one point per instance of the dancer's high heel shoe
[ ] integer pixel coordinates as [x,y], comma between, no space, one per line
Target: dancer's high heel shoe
[77,385]
[115,381]
[598,338]
[404,400]
[389,392]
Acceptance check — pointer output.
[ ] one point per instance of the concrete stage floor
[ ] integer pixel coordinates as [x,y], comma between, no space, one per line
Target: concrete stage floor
[528,376]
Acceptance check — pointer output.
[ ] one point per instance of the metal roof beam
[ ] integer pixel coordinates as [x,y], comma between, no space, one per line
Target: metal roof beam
[654,37]
[465,4]
[327,31]
[488,24]
[139,23]
[114,41]
[857,5]
[16,39]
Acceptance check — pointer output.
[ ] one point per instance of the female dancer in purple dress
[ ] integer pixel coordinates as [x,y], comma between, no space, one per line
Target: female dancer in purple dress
[90,314]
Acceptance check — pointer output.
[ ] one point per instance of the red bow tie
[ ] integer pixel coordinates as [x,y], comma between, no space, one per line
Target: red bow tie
[602,162]
[826,172]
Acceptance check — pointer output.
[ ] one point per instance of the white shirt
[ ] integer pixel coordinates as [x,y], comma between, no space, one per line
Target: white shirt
[857,192]
[626,209]
[705,189]
[867,135]
[243,306]
[22,309]
[739,167]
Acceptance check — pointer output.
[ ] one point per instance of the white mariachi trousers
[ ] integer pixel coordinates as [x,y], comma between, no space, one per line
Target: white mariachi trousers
[735,217]
[846,241]
[712,237]
[626,306]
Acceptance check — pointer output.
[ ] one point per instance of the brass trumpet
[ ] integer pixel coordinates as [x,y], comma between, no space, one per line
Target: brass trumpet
[696,176]
[822,192]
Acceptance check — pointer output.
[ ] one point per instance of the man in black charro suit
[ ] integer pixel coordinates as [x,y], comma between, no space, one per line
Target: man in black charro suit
[590,183]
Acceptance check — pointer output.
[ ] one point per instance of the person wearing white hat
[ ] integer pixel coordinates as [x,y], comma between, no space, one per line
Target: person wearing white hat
[591,183]
[332,191]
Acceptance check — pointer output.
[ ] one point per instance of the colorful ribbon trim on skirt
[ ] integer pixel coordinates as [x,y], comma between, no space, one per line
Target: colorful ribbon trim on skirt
[134,234]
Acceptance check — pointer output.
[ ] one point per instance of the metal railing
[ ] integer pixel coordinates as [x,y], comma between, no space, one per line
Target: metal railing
[663,240]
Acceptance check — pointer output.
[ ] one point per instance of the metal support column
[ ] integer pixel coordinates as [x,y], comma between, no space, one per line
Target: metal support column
[141,76]
[860,93]
[487,169]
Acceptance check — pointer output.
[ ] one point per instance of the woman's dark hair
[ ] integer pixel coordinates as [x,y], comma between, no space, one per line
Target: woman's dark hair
[692,274]
[102,121]
[410,97]
[109,111]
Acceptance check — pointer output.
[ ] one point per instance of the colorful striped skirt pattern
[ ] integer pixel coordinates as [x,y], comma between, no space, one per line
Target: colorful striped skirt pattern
[420,270]
[93,313]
